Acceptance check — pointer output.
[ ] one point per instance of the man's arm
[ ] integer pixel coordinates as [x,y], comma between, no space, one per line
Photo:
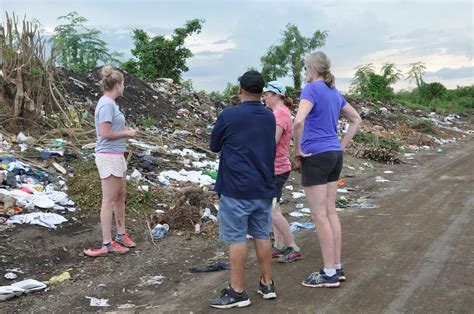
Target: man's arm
[217,135]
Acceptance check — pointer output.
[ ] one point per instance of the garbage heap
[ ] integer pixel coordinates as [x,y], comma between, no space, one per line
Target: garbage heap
[391,133]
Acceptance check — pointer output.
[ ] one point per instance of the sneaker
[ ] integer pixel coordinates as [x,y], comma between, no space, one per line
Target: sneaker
[290,255]
[267,291]
[320,280]
[126,241]
[340,274]
[229,298]
[114,248]
[277,252]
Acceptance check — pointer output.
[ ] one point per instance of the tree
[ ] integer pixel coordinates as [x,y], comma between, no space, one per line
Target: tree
[287,57]
[368,84]
[415,73]
[79,48]
[159,56]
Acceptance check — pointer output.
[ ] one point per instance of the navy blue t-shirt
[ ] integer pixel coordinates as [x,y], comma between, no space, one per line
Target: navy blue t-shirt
[245,136]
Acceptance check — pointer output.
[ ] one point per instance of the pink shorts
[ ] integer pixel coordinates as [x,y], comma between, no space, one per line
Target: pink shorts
[111,165]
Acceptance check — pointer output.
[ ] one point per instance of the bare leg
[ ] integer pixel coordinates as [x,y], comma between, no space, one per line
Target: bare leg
[334,220]
[263,249]
[238,257]
[281,228]
[119,209]
[110,190]
[317,199]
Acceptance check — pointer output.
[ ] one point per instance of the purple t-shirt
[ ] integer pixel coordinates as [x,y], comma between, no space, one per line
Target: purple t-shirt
[320,126]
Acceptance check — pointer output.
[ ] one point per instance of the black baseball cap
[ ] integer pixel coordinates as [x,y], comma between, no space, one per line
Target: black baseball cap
[252,82]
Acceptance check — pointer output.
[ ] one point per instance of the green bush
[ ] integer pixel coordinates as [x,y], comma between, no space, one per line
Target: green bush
[377,141]
[424,126]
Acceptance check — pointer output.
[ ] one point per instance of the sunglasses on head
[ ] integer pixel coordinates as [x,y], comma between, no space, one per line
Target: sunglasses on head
[273,86]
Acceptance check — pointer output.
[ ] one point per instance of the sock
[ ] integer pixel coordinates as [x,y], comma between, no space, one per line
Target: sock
[279,247]
[338,266]
[296,248]
[107,245]
[330,271]
[119,236]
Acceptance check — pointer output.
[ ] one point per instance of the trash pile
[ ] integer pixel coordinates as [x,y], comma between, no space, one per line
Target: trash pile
[33,189]
[412,130]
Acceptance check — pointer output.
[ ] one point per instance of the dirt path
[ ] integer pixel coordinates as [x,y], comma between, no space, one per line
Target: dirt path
[413,254]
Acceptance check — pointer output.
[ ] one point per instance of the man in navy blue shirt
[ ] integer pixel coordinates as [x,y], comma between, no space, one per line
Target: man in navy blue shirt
[245,137]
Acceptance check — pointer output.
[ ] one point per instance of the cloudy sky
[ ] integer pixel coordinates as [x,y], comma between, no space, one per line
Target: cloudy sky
[237,33]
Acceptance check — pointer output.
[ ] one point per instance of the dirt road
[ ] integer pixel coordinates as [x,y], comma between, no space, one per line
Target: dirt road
[414,253]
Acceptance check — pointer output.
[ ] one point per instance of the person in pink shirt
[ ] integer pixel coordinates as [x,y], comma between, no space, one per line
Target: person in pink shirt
[284,246]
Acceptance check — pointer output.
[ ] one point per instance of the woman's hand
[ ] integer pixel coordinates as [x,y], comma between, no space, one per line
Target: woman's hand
[131,132]
[299,155]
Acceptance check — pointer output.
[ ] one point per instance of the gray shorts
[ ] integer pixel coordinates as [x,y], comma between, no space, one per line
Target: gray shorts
[238,217]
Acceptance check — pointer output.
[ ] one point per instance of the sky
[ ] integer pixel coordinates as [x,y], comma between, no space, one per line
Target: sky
[237,33]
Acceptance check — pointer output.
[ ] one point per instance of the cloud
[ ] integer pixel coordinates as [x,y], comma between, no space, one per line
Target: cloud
[450,73]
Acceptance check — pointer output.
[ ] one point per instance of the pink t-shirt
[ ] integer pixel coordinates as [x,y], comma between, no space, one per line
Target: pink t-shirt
[283,120]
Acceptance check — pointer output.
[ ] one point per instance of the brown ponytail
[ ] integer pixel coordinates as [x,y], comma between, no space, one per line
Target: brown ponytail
[288,101]
[319,63]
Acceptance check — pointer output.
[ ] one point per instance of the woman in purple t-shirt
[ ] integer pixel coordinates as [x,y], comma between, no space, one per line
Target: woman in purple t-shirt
[319,153]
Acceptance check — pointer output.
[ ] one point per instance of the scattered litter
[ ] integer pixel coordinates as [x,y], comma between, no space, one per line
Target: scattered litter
[43,202]
[208,215]
[8,292]
[366,205]
[59,168]
[14,270]
[10,276]
[136,175]
[341,201]
[210,268]
[160,231]
[48,220]
[344,190]
[341,183]
[29,285]
[295,226]
[186,176]
[98,302]
[126,306]
[306,210]
[89,146]
[18,288]
[299,206]
[388,171]
[368,165]
[59,278]
[381,179]
[151,280]
[289,187]
[297,195]
[298,214]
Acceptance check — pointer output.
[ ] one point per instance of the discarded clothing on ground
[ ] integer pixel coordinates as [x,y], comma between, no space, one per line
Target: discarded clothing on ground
[209,268]
[295,226]
[48,220]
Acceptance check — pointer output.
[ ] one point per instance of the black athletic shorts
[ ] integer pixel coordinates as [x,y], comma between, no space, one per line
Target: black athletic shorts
[321,168]
[280,182]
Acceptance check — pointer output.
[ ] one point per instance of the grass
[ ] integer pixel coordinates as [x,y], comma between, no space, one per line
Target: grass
[147,122]
[377,141]
[85,189]
[424,126]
